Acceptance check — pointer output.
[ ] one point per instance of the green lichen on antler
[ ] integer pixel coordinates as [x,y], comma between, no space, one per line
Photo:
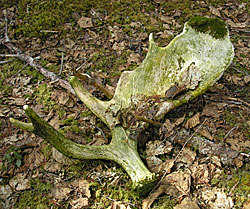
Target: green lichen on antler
[164,67]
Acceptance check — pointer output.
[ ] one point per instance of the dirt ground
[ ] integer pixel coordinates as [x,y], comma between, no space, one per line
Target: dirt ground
[102,39]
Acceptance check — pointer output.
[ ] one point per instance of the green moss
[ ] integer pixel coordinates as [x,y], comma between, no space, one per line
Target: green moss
[166,202]
[38,197]
[213,26]
[237,182]
[43,96]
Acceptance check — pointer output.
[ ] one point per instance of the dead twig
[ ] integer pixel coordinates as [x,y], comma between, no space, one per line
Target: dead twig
[31,61]
[7,39]
[6,61]
[239,101]
[8,55]
[229,132]
[61,68]
[233,188]
[177,156]
[20,70]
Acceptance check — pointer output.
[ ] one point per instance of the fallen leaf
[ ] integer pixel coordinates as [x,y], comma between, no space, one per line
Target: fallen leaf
[180,120]
[154,164]
[79,203]
[181,180]
[204,132]
[246,79]
[167,165]
[61,192]
[60,158]
[85,22]
[168,125]
[134,58]
[146,203]
[187,156]
[200,173]
[158,147]
[194,121]
[19,182]
[214,11]
[83,186]
[187,203]
[216,198]
[119,46]
[34,159]
[211,110]
[52,166]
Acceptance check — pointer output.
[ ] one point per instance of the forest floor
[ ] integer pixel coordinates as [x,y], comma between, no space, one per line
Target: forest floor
[102,39]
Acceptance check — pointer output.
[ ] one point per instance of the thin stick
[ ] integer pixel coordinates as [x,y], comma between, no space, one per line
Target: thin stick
[20,70]
[7,39]
[164,175]
[229,132]
[101,132]
[6,61]
[61,68]
[26,58]
[9,55]
[189,139]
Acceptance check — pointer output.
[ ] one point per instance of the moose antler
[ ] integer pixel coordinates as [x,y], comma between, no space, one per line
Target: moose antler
[168,77]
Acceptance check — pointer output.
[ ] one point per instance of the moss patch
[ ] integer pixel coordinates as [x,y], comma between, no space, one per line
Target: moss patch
[213,26]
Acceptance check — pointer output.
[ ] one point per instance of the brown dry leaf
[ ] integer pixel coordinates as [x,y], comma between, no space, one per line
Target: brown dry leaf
[123,67]
[61,192]
[236,80]
[167,165]
[34,159]
[49,57]
[85,22]
[55,122]
[200,173]
[216,198]
[63,97]
[19,182]
[154,164]
[79,203]
[246,79]
[119,46]
[5,194]
[235,143]
[214,11]
[134,58]
[166,19]
[118,205]
[204,132]
[169,125]
[187,203]
[11,139]
[52,166]
[180,120]
[187,156]
[236,25]
[19,101]
[181,180]
[211,110]
[83,186]
[146,203]
[60,158]
[158,147]
[194,121]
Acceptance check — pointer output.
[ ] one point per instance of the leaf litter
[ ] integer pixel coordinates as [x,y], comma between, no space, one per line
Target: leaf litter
[188,164]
